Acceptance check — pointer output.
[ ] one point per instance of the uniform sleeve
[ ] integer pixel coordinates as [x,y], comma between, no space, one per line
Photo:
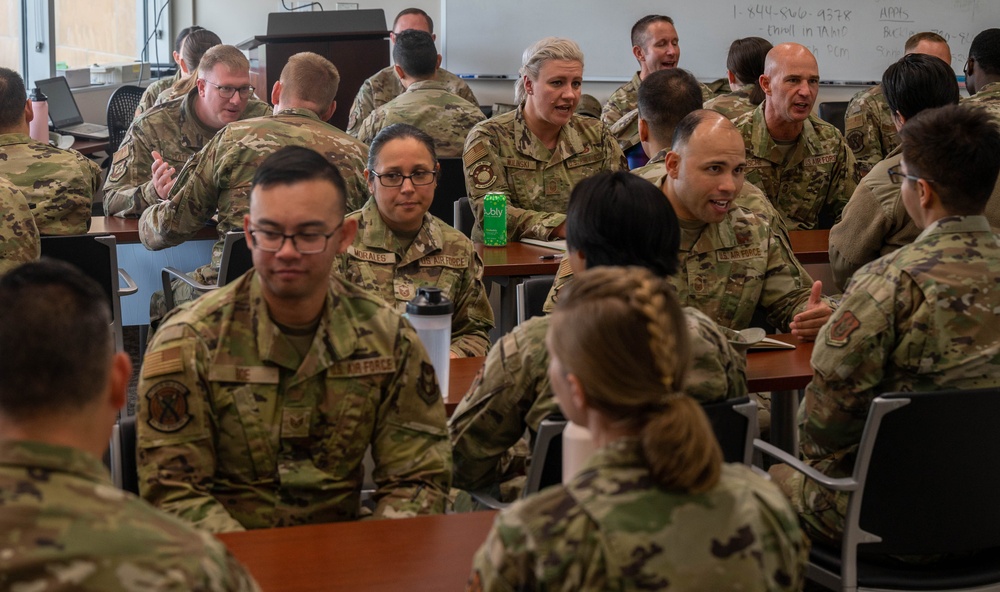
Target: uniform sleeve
[410,444]
[614,158]
[371,126]
[563,277]
[717,372]
[843,181]
[862,129]
[175,431]
[859,235]
[129,189]
[786,284]
[18,233]
[504,563]
[70,181]
[473,318]
[364,104]
[612,110]
[466,93]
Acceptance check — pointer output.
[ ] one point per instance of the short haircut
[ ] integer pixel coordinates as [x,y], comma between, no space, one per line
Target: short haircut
[685,128]
[916,38]
[917,82]
[56,339]
[956,147]
[665,97]
[295,164]
[985,50]
[223,54]
[398,131]
[746,62]
[416,54]
[310,77]
[617,218]
[406,11]
[540,52]
[182,35]
[13,95]
[195,46]
[639,36]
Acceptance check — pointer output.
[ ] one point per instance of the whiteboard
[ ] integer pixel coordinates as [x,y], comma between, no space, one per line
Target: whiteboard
[853,40]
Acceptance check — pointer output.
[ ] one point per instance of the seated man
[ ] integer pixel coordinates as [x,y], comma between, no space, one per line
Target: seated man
[921,318]
[982,72]
[385,85]
[65,526]
[426,104]
[160,141]
[59,184]
[612,219]
[258,401]
[18,233]
[800,162]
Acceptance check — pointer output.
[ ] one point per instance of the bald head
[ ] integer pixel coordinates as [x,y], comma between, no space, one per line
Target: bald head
[784,54]
[791,85]
[704,167]
[701,123]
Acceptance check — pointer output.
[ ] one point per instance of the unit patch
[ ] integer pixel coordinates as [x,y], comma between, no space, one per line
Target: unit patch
[168,407]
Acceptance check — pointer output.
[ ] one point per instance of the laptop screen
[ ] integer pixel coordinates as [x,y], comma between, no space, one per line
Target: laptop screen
[62,106]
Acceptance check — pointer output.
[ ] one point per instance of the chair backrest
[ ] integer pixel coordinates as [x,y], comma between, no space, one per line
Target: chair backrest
[531,295]
[928,484]
[236,258]
[124,467]
[465,221]
[833,112]
[97,257]
[450,187]
[121,112]
[735,425]
[546,456]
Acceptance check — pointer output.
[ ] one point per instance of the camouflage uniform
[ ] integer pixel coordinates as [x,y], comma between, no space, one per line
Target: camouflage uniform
[812,185]
[66,527]
[624,102]
[438,256]
[869,129]
[987,97]
[149,96]
[922,318]
[385,86]
[610,528]
[512,393]
[18,233]
[58,184]
[238,430]
[733,104]
[219,177]
[503,156]
[172,129]
[431,107]
[168,94]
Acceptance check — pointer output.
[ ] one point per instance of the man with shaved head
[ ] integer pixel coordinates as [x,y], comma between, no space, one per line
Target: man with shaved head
[802,163]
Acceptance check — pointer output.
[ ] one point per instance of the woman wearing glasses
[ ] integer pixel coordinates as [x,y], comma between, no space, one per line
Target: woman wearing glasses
[400,246]
[536,153]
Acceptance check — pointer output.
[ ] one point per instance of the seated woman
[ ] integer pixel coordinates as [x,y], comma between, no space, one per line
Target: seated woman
[400,247]
[744,65]
[193,48]
[654,506]
[613,218]
[538,152]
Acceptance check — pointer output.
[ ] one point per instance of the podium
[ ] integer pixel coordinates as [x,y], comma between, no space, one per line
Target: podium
[356,41]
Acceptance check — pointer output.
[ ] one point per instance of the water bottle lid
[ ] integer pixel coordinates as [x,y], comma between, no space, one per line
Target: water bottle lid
[37,95]
[430,301]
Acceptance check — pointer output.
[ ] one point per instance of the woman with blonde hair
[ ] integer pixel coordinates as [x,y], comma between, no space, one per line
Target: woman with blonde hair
[654,507]
[536,153]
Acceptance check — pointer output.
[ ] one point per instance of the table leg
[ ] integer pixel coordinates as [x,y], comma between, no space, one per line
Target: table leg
[784,411]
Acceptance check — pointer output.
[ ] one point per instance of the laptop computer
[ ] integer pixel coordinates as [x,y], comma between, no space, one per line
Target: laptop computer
[63,112]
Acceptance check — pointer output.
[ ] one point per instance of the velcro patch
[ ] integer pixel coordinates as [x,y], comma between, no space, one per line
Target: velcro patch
[584,159]
[820,160]
[444,261]
[383,365]
[371,256]
[740,254]
[119,166]
[295,422]
[518,163]
[244,374]
[856,140]
[164,361]
[427,386]
[756,163]
[483,175]
[475,153]
[841,330]
[168,406]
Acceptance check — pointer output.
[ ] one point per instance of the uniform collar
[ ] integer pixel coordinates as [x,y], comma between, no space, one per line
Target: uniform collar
[950,224]
[51,457]
[569,144]
[374,233]
[430,84]
[15,138]
[188,115]
[299,111]
[762,144]
[993,87]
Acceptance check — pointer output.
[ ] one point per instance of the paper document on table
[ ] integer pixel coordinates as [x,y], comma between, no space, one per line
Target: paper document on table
[559,245]
[768,343]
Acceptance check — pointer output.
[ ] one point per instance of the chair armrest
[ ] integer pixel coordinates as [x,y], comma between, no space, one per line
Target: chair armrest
[488,500]
[834,483]
[168,294]
[130,286]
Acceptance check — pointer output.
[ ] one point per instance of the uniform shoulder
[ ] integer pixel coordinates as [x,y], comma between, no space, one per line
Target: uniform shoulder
[826,131]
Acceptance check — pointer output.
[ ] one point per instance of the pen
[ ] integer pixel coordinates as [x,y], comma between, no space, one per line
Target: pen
[549,257]
[483,76]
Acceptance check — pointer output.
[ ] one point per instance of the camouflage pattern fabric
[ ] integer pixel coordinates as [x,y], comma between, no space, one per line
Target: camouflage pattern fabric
[58,184]
[219,177]
[610,528]
[624,101]
[869,129]
[988,97]
[18,232]
[66,527]
[503,156]
[512,393]
[431,107]
[149,96]
[922,318]
[168,94]
[733,104]
[438,256]
[238,430]
[172,129]
[813,183]
[385,86]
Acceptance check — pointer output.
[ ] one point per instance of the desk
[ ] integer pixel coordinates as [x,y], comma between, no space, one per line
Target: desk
[432,553]
[516,260]
[810,246]
[88,147]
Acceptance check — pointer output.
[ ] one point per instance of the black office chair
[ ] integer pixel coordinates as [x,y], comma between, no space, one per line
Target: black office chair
[236,260]
[735,425]
[465,221]
[833,112]
[121,112]
[530,296]
[124,469]
[545,468]
[450,187]
[924,483]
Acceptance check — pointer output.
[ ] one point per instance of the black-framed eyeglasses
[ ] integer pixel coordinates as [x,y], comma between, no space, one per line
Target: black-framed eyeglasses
[396,179]
[306,243]
[897,176]
[227,92]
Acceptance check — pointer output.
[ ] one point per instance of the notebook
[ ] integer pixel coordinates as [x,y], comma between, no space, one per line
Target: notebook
[63,112]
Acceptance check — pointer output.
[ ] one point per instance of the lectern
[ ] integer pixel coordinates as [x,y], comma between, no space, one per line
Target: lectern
[356,41]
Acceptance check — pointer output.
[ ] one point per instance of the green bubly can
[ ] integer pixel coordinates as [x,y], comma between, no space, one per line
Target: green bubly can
[495,220]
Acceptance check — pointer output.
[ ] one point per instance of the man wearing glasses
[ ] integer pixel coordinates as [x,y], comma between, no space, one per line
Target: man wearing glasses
[921,318]
[259,400]
[218,177]
[160,141]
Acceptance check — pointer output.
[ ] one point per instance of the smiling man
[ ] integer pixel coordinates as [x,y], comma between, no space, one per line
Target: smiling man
[802,163]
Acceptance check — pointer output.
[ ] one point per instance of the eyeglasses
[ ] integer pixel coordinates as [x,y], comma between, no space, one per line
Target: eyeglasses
[396,179]
[897,176]
[227,92]
[306,243]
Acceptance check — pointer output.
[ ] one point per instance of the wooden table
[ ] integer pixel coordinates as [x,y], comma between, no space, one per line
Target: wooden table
[517,260]
[126,230]
[810,246]
[88,147]
[432,553]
